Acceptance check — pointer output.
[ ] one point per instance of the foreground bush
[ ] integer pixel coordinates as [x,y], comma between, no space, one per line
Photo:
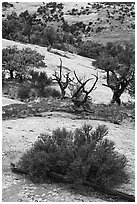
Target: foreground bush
[82,155]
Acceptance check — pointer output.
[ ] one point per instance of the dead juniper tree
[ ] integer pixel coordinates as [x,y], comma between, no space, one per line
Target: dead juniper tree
[81,95]
[62,80]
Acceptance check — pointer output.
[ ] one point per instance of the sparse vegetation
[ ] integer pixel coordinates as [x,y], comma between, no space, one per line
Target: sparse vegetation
[85,154]
[33,28]
[114,114]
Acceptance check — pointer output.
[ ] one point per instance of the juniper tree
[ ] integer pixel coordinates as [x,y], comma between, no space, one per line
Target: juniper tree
[19,61]
[118,61]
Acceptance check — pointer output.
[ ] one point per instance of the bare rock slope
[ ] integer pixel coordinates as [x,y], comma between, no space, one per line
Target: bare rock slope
[72,62]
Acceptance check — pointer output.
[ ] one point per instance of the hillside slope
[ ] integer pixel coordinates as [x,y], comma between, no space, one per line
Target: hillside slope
[72,62]
[100,21]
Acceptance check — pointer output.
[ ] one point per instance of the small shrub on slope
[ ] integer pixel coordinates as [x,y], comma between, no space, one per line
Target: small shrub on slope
[39,79]
[90,49]
[23,91]
[49,91]
[82,155]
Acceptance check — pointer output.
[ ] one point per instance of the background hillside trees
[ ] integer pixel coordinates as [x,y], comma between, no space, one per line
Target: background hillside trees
[28,21]
[51,12]
[90,49]
[37,28]
[11,27]
[49,36]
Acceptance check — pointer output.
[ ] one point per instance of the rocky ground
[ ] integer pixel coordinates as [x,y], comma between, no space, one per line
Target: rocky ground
[20,134]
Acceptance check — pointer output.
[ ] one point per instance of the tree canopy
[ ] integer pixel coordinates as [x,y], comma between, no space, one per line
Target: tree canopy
[19,61]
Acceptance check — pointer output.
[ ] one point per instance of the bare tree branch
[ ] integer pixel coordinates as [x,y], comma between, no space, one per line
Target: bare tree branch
[81,90]
[106,85]
[62,84]
[96,76]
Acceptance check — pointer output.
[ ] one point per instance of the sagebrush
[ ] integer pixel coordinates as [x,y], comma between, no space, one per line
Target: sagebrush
[83,155]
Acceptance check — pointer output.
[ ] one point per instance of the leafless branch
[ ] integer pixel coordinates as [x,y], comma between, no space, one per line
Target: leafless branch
[62,84]
[81,90]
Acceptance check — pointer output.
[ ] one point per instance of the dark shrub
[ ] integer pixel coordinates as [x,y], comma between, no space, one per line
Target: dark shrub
[18,62]
[65,47]
[36,38]
[82,155]
[49,91]
[23,91]
[39,80]
[49,35]
[90,49]
[59,46]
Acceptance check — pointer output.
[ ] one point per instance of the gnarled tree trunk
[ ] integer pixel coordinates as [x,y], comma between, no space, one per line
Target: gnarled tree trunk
[11,74]
[116,98]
